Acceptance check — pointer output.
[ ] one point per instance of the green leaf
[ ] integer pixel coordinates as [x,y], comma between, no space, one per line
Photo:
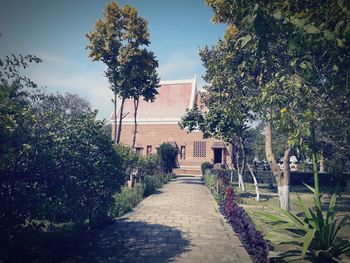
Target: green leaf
[311,29]
[307,241]
[340,43]
[245,40]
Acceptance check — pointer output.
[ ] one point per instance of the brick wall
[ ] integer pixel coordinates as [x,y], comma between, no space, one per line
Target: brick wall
[155,134]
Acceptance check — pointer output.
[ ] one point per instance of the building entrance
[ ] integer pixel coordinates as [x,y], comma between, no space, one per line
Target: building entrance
[217,155]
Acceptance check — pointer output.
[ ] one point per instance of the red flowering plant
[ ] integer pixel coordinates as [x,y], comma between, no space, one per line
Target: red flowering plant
[241,223]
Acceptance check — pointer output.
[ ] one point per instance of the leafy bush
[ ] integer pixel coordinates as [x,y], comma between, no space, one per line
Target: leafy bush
[215,186]
[127,199]
[129,157]
[206,166]
[152,183]
[325,179]
[167,155]
[261,176]
[149,164]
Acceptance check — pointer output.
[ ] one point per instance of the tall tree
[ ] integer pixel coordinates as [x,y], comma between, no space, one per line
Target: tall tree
[229,109]
[115,39]
[296,54]
[143,81]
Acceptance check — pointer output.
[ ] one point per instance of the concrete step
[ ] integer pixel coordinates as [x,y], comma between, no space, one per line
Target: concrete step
[195,171]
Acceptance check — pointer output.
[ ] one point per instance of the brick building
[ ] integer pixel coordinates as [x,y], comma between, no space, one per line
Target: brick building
[158,123]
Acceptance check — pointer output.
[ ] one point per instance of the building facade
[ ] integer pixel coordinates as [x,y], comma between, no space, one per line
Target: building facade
[157,122]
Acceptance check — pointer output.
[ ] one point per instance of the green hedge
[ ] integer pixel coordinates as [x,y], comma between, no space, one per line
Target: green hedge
[297,178]
[129,197]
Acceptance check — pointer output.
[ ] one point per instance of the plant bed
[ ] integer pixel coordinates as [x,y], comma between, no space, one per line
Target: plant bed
[240,221]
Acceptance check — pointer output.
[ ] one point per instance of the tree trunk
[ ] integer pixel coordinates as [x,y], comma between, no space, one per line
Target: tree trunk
[120,118]
[115,115]
[136,106]
[322,168]
[255,182]
[276,170]
[283,190]
[282,180]
[244,160]
[239,173]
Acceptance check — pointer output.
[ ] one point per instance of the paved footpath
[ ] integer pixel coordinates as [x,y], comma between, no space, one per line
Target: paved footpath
[180,223]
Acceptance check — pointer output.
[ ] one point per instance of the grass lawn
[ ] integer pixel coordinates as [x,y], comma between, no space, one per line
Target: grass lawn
[269,199]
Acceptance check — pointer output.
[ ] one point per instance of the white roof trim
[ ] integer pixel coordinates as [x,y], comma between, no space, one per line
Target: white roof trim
[193,92]
[173,82]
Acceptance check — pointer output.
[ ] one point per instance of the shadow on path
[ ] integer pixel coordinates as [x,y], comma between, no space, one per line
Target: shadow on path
[136,241]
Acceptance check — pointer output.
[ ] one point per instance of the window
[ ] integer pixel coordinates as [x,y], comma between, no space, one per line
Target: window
[149,149]
[138,151]
[199,149]
[183,152]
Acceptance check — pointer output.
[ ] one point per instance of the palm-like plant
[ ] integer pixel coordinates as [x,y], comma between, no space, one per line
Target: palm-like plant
[315,233]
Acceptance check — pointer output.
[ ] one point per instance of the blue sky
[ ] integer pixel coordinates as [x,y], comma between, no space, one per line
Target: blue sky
[55,31]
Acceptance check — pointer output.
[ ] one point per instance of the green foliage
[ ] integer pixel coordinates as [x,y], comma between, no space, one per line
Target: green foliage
[315,234]
[55,165]
[128,198]
[167,155]
[117,41]
[152,183]
[149,164]
[206,166]
[129,157]
[215,186]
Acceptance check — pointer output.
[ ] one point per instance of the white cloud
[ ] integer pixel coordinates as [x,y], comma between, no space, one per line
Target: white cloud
[179,65]
[89,84]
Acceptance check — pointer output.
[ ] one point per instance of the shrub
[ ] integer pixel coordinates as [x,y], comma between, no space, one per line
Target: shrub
[167,155]
[129,159]
[149,164]
[215,186]
[206,166]
[127,199]
[152,183]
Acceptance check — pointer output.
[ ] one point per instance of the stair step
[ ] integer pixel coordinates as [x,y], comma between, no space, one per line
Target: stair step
[188,171]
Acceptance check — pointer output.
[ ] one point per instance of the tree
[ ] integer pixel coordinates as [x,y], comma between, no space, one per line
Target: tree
[67,104]
[115,41]
[229,109]
[143,81]
[167,156]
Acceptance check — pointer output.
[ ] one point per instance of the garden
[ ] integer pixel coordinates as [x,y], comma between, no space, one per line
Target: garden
[259,224]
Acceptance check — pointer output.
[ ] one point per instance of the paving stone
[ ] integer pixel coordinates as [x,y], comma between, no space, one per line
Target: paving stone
[180,224]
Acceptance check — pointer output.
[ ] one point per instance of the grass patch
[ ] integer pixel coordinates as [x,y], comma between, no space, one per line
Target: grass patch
[269,199]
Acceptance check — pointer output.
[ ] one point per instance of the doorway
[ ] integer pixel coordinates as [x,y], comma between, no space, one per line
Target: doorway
[217,155]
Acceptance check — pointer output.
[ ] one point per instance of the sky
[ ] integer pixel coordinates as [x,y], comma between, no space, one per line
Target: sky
[54,30]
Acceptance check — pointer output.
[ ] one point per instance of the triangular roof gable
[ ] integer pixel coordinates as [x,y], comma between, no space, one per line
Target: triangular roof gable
[171,102]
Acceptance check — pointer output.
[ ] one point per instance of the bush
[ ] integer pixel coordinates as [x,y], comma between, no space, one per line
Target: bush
[167,155]
[325,179]
[152,183]
[206,166]
[261,176]
[149,164]
[128,198]
[215,186]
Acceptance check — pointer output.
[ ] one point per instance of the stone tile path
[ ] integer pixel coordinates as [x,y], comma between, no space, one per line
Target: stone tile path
[180,223]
